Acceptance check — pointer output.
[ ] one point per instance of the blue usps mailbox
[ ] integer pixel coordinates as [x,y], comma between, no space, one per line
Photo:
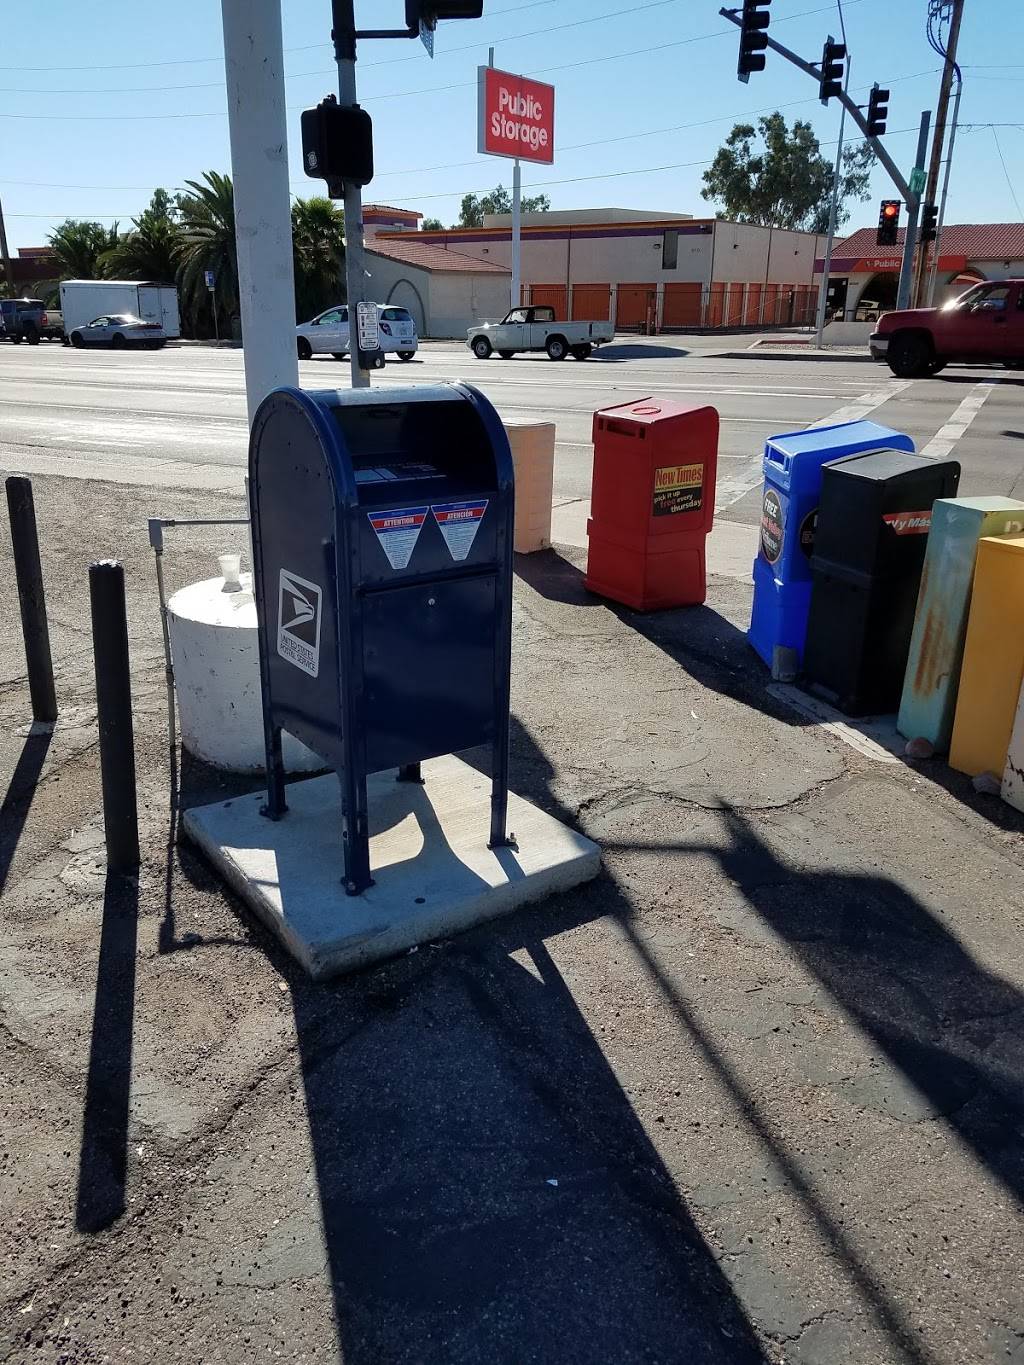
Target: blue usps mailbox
[789,510]
[382,543]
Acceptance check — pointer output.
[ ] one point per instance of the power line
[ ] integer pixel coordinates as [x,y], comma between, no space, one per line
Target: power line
[571,147]
[1009,182]
[202,61]
[426,90]
[531,185]
[329,71]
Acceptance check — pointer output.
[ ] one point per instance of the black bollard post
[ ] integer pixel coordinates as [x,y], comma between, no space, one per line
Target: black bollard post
[114,710]
[29,573]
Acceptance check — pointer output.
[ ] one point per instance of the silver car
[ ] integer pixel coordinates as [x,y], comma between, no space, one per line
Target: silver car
[119,330]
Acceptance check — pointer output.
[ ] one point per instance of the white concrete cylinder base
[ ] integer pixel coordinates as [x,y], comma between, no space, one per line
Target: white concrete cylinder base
[216,658]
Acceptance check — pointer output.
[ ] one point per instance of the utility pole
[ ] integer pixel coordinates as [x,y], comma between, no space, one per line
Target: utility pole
[939,137]
[937,244]
[913,214]
[254,74]
[8,273]
[344,36]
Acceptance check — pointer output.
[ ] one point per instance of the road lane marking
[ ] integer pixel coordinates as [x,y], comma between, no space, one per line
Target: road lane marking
[947,436]
[866,403]
[738,485]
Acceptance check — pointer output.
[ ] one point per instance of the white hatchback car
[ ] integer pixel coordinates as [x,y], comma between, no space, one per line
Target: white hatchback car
[397,331]
[326,334]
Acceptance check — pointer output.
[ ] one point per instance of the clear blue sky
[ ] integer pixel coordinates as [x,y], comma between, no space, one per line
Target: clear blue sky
[640,68]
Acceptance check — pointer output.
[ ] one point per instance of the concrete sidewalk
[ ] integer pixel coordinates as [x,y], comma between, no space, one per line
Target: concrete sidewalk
[753,1095]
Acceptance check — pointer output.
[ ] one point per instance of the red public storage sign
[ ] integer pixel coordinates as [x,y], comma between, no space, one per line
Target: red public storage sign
[517,116]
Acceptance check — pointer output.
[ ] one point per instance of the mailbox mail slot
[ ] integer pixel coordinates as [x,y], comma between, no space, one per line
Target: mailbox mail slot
[382,540]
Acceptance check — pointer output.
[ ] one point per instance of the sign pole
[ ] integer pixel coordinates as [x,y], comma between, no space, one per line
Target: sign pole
[832,214]
[344,35]
[913,213]
[516,234]
[516,120]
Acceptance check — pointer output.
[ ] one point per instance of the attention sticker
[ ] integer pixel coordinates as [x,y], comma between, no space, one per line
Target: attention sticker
[398,531]
[459,523]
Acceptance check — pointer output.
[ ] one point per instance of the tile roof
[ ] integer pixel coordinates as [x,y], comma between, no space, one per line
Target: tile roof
[429,257]
[390,208]
[976,241]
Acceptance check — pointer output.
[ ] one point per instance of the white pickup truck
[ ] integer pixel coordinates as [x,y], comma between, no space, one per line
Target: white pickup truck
[536,329]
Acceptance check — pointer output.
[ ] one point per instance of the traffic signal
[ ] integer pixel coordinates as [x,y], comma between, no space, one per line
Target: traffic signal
[337,145]
[888,223]
[832,57]
[753,37]
[878,111]
[429,11]
[929,223]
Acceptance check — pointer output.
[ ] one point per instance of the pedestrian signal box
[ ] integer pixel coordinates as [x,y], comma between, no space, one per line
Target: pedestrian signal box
[382,545]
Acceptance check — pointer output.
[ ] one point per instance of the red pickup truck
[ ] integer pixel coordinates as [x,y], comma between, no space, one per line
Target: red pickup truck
[985,324]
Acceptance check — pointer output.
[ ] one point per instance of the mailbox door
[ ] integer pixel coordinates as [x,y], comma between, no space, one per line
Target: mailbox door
[429,653]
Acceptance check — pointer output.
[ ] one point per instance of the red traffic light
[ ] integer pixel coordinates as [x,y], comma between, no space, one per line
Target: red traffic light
[890,210]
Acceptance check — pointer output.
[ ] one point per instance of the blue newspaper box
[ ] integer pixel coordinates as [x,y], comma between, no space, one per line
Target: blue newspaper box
[382,549]
[789,512]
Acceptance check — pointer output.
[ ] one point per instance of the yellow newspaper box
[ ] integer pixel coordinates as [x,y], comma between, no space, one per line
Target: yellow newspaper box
[990,680]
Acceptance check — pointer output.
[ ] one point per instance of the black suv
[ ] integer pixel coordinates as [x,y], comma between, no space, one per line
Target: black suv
[22,320]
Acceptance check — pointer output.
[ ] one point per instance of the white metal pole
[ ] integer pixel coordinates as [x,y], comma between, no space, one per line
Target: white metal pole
[832,215]
[937,244]
[355,262]
[516,235]
[254,75]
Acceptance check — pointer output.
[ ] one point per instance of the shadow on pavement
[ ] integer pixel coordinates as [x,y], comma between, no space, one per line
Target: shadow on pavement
[20,791]
[617,351]
[809,355]
[104,1151]
[949,1027]
[952,1030]
[487,1191]
[717,654]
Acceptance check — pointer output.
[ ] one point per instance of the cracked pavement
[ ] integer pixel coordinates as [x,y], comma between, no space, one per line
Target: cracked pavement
[753,1095]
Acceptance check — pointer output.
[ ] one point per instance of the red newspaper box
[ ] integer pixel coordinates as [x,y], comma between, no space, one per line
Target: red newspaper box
[652,503]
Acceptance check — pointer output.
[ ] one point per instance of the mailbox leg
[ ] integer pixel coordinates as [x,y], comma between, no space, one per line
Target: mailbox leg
[410,772]
[276,805]
[355,832]
[500,838]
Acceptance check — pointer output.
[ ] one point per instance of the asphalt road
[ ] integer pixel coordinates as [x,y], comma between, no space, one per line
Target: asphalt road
[176,418]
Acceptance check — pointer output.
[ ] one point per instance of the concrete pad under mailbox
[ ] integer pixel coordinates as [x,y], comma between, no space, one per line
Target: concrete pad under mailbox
[433,872]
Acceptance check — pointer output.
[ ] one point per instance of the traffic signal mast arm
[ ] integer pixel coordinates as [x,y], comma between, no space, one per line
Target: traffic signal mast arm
[897,179]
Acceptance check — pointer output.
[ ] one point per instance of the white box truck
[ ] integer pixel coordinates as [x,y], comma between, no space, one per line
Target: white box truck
[83,300]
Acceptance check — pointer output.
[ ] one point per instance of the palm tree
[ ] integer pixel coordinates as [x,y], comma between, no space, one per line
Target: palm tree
[147,252]
[318,252]
[79,246]
[206,241]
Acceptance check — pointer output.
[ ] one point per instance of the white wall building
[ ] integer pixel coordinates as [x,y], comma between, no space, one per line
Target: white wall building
[640,269]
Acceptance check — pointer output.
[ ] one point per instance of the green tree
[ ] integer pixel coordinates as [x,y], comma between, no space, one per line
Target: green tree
[206,241]
[79,247]
[318,251]
[471,213]
[777,177]
[432,225]
[148,251]
[163,205]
